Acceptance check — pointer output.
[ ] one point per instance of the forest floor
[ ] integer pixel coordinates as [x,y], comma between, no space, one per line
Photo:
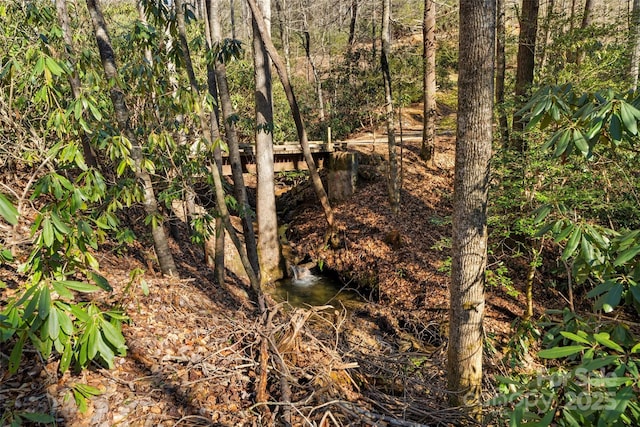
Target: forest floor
[199,353]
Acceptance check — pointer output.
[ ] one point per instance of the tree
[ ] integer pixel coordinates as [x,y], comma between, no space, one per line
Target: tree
[74,80]
[107,55]
[394,177]
[525,64]
[635,44]
[316,182]
[268,244]
[473,153]
[427,151]
[500,72]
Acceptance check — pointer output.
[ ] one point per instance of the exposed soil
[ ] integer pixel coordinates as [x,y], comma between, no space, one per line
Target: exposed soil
[195,347]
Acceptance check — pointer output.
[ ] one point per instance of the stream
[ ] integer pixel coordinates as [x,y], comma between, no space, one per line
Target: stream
[315,290]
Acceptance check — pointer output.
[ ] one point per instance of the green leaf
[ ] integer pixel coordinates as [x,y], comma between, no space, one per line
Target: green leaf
[580,141]
[541,213]
[8,211]
[53,325]
[112,335]
[612,298]
[44,303]
[626,256]
[65,359]
[600,362]
[38,417]
[81,401]
[66,325]
[604,339]
[587,249]
[563,143]
[557,352]
[59,224]
[47,232]
[101,281]
[78,286]
[615,128]
[628,118]
[572,244]
[636,349]
[53,66]
[575,337]
[16,354]
[601,289]
[564,233]
[62,291]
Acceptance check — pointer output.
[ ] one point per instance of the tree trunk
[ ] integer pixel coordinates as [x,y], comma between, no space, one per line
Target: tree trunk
[161,244]
[500,73]
[297,117]
[268,243]
[587,17]
[232,139]
[394,181]
[74,80]
[525,64]
[316,76]
[428,149]
[473,153]
[546,38]
[283,26]
[352,22]
[634,67]
[215,171]
[212,85]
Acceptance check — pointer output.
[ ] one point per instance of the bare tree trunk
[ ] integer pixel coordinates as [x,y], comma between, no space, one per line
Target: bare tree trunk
[428,149]
[500,72]
[215,171]
[282,10]
[352,22]
[268,243]
[232,18]
[546,38]
[394,184]
[232,139]
[526,64]
[161,244]
[297,117]
[634,67]
[587,17]
[471,184]
[74,80]
[314,69]
[212,86]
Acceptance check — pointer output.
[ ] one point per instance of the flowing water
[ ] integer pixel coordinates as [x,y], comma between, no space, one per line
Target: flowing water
[314,290]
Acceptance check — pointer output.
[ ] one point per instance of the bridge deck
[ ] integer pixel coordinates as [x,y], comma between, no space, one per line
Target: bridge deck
[286,157]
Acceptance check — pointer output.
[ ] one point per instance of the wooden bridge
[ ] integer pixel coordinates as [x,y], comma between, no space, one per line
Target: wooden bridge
[286,157]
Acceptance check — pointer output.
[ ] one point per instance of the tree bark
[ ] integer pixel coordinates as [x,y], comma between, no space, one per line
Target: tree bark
[428,149]
[394,180]
[352,23]
[634,67]
[546,37]
[314,69]
[500,72]
[246,213]
[297,117]
[268,244]
[473,153]
[525,64]
[74,80]
[212,86]
[161,244]
[215,171]
[283,25]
